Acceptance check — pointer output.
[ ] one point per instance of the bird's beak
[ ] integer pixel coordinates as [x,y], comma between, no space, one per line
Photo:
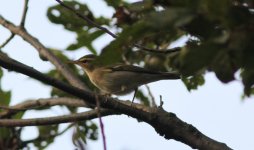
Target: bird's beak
[73,62]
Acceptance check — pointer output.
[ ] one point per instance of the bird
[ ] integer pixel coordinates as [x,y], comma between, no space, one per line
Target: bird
[120,79]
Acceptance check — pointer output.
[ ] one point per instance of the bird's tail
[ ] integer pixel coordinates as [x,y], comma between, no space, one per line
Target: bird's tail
[170,75]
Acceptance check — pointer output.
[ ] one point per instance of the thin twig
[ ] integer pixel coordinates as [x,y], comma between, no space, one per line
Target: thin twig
[89,21]
[163,51]
[92,114]
[151,95]
[101,123]
[161,102]
[7,40]
[23,19]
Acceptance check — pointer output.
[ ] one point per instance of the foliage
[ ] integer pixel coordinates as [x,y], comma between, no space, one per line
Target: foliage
[220,40]
[220,35]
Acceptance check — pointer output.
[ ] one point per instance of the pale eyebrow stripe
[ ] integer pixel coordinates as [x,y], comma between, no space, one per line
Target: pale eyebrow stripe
[82,59]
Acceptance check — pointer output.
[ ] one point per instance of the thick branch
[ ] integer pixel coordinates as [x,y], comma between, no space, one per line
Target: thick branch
[54,120]
[64,69]
[32,104]
[166,124]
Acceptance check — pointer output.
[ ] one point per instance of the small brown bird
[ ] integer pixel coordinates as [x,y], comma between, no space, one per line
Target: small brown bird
[120,79]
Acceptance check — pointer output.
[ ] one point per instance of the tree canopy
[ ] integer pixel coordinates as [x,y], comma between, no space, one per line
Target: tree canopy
[219,36]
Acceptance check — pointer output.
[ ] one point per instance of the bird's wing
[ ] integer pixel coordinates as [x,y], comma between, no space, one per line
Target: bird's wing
[131,68]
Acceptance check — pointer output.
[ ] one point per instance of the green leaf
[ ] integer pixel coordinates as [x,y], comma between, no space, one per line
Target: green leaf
[155,25]
[46,136]
[112,53]
[216,8]
[195,58]
[1,73]
[143,98]
[223,67]
[193,82]
[85,39]
[169,18]
[5,98]
[60,15]
[18,115]
[248,80]
[85,130]
[5,133]
[115,3]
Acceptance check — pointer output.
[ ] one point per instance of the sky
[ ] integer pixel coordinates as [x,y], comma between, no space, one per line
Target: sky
[215,109]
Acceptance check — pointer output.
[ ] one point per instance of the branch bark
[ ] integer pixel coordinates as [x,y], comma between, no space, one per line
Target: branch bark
[92,114]
[166,124]
[33,104]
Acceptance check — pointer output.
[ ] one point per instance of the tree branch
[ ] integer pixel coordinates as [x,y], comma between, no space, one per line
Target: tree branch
[165,123]
[162,51]
[92,114]
[7,40]
[32,104]
[60,66]
[23,19]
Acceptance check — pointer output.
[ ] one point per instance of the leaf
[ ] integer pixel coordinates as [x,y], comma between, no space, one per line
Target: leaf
[60,15]
[5,98]
[18,115]
[112,53]
[174,17]
[248,80]
[155,25]
[85,130]
[216,8]
[46,136]
[86,39]
[115,3]
[193,82]
[223,67]
[143,98]
[194,58]
[5,133]
[1,73]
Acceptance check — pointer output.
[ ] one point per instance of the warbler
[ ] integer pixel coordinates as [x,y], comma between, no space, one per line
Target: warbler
[120,79]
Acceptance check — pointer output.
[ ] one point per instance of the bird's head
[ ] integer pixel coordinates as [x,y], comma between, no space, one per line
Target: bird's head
[86,62]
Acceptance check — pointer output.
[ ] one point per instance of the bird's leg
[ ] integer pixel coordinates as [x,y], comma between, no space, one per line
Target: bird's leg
[135,92]
[107,95]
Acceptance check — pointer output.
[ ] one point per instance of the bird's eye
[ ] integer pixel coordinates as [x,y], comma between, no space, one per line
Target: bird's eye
[84,61]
